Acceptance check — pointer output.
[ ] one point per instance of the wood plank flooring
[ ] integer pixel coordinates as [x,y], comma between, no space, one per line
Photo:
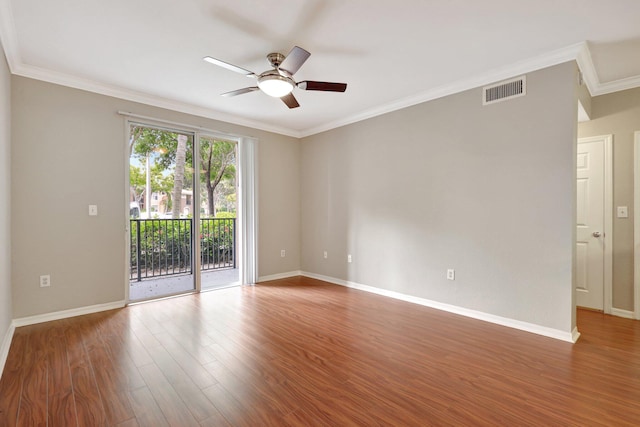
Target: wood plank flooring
[300,352]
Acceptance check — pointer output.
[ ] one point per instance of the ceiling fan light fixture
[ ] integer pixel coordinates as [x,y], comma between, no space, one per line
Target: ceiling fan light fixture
[278,82]
[275,85]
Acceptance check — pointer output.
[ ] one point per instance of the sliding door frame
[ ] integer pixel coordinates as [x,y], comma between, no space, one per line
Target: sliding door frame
[246,187]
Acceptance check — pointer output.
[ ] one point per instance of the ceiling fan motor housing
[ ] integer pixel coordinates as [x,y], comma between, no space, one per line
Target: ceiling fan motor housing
[275,59]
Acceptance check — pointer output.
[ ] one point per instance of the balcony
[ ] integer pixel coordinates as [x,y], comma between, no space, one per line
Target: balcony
[161,256]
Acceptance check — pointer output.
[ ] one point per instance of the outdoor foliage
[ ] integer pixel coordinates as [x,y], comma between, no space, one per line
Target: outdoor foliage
[217,160]
[163,246]
[170,156]
[160,183]
[225,215]
[217,240]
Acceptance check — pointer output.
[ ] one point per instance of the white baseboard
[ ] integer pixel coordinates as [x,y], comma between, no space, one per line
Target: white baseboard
[47,317]
[279,276]
[575,334]
[6,344]
[622,313]
[478,315]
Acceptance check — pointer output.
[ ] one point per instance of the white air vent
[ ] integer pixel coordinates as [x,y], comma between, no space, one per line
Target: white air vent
[504,90]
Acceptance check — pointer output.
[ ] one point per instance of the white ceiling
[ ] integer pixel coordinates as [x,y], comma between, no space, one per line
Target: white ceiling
[392,53]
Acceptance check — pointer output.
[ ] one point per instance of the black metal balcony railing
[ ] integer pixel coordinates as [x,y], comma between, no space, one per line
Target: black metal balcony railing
[217,243]
[163,247]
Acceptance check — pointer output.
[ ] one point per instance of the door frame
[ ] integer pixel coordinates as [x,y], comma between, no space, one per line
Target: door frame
[247,196]
[607,140]
[247,163]
[636,225]
[133,120]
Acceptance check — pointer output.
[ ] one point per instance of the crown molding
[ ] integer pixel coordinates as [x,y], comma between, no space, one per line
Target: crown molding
[588,70]
[9,43]
[144,98]
[617,86]
[590,76]
[546,60]
[578,52]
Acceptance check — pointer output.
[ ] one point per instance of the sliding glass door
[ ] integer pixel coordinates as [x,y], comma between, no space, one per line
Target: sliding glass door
[162,203]
[219,244]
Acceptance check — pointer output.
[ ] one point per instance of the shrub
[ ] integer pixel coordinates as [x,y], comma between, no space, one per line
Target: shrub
[164,245]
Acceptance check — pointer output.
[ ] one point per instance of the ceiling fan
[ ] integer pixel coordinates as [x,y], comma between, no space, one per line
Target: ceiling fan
[279,82]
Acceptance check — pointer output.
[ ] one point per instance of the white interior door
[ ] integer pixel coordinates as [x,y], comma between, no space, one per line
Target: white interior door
[590,250]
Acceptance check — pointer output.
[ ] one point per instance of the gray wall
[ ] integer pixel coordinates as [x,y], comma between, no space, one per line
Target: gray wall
[488,191]
[618,114]
[5,199]
[68,151]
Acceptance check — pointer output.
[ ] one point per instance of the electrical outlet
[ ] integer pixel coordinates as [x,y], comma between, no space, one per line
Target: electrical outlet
[45,281]
[325,255]
[349,258]
[283,253]
[451,274]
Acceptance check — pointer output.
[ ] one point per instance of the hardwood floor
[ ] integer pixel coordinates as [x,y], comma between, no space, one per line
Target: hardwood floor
[300,352]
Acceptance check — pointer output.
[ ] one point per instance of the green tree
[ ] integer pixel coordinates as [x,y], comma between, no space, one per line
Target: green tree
[146,141]
[160,182]
[178,178]
[225,196]
[169,150]
[218,163]
[137,183]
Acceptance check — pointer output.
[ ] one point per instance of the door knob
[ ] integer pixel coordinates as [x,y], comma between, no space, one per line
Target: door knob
[596,234]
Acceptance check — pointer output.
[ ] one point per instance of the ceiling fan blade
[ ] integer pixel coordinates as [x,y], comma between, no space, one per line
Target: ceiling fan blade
[322,86]
[240,91]
[228,66]
[290,100]
[294,60]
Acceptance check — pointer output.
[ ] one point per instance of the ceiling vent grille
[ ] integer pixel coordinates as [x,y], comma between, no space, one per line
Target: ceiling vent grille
[504,90]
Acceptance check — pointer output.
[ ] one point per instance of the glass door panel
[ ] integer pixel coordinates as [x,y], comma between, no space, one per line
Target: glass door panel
[161,203]
[218,213]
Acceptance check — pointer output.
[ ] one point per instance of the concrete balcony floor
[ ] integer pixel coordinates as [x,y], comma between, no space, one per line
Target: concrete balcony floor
[170,285]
